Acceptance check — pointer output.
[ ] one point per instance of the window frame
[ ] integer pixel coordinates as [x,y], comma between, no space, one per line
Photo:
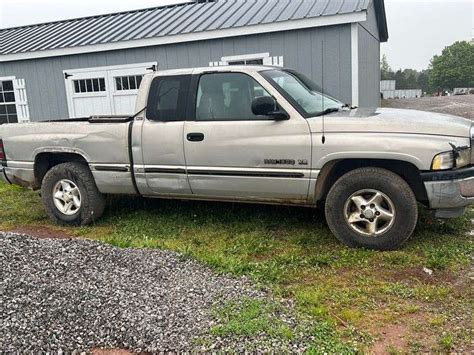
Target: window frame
[193,101]
[266,58]
[127,91]
[183,95]
[14,103]
[93,92]
[288,97]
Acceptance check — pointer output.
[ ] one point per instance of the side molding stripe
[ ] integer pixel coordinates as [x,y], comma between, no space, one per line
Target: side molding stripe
[243,173]
[111,168]
[165,171]
[247,173]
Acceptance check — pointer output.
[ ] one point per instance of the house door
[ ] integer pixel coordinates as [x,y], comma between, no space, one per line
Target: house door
[104,90]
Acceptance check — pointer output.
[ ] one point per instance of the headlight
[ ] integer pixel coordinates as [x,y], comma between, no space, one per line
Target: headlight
[452,159]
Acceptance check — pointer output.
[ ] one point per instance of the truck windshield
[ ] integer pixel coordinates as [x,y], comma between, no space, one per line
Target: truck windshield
[302,92]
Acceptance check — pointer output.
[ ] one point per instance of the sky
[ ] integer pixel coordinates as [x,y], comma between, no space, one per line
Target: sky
[418,29]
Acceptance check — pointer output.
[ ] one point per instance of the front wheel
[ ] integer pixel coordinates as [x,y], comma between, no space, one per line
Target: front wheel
[70,195]
[372,208]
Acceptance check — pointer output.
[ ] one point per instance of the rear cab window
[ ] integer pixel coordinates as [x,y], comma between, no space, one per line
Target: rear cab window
[167,98]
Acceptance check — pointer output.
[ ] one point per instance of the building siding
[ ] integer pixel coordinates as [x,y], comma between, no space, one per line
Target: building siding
[369,61]
[369,69]
[302,50]
[371,24]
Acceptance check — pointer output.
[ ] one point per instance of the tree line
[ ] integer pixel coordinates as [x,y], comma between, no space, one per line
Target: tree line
[454,68]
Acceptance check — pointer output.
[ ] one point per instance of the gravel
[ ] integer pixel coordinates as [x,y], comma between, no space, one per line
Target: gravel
[462,105]
[79,295]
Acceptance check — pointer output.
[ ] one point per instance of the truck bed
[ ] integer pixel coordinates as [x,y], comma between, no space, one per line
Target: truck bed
[98,140]
[101,142]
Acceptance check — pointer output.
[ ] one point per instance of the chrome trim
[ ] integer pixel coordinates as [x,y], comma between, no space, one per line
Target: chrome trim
[110,167]
[223,171]
[15,164]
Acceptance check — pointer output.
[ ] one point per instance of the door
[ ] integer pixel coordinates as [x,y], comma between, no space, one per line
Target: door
[104,90]
[88,94]
[162,137]
[232,153]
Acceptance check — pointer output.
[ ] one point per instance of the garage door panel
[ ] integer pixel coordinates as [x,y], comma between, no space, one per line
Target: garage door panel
[87,106]
[105,90]
[125,104]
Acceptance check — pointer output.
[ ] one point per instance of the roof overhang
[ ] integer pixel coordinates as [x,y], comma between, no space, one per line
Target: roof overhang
[381,19]
[198,36]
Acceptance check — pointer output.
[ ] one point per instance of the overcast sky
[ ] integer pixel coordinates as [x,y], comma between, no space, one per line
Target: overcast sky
[418,29]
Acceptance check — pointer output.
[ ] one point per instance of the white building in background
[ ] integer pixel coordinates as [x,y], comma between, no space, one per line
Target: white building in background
[388,91]
[94,65]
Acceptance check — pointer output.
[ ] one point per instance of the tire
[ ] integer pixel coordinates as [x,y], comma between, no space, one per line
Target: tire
[77,206]
[394,210]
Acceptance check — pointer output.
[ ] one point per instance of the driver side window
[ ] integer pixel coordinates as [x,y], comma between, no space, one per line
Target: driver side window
[227,97]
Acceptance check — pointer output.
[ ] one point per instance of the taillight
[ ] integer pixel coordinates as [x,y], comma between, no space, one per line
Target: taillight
[2,152]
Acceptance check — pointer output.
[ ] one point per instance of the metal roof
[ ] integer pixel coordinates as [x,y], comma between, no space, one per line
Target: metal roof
[186,18]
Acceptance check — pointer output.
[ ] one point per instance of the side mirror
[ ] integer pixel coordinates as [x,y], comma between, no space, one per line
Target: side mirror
[267,106]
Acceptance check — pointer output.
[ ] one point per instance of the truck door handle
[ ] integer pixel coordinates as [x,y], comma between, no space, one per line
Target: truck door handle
[195,137]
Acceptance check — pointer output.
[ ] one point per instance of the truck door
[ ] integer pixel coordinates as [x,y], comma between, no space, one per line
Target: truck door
[163,164]
[232,153]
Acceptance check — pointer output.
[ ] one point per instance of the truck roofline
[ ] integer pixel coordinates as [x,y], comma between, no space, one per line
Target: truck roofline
[226,68]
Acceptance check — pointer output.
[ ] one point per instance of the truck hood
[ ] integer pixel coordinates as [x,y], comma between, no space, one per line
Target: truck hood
[387,120]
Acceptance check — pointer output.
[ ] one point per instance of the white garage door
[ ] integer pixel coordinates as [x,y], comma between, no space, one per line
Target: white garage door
[104,90]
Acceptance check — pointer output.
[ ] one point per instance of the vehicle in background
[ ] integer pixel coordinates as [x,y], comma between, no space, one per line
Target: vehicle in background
[463,91]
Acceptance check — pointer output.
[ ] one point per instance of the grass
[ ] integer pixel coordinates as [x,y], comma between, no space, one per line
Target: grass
[250,318]
[351,295]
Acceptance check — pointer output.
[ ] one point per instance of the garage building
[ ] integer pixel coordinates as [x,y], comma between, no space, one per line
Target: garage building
[94,65]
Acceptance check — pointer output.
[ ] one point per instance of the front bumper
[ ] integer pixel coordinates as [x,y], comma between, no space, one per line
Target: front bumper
[450,192]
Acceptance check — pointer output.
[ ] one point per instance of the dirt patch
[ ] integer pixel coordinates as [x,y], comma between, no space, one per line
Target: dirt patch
[42,232]
[392,337]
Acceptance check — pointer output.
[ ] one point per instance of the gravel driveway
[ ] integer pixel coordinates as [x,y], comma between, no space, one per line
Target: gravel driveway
[80,295]
[462,105]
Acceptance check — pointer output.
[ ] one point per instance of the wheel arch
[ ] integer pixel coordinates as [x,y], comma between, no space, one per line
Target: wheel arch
[46,160]
[333,170]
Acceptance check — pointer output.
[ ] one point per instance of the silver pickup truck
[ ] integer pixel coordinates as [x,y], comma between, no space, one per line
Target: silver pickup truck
[251,134]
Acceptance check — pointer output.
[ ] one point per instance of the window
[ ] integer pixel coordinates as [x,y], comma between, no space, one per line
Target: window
[249,59]
[227,97]
[246,62]
[131,82]
[167,98]
[82,86]
[8,112]
[301,91]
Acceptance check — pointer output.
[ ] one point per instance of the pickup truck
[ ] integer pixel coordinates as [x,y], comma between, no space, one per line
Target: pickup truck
[251,134]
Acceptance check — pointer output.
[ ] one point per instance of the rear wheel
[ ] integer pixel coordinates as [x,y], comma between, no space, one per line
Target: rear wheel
[372,208]
[70,195]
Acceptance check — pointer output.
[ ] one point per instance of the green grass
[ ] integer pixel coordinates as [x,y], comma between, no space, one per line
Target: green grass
[350,294]
[250,318]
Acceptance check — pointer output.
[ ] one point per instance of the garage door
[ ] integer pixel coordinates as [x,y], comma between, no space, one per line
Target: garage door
[104,90]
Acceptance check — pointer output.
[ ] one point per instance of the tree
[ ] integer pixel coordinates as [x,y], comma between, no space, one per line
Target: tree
[423,82]
[400,79]
[454,67]
[386,71]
